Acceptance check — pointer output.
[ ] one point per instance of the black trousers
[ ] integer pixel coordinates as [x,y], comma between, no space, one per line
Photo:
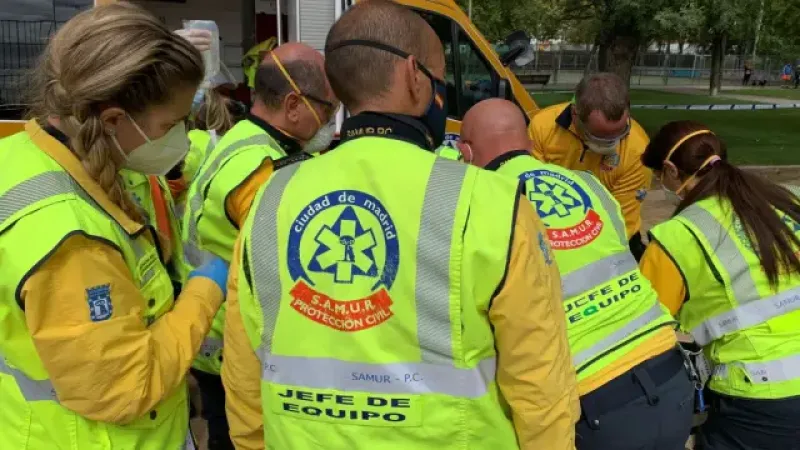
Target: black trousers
[747,424]
[213,396]
[649,407]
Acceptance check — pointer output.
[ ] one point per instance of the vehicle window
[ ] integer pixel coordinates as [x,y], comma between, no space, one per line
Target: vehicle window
[444,29]
[477,81]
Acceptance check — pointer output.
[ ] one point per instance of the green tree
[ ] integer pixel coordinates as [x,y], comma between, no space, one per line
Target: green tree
[496,19]
[622,28]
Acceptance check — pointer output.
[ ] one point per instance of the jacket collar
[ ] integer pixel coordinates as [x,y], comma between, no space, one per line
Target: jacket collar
[390,126]
[504,158]
[55,144]
[287,143]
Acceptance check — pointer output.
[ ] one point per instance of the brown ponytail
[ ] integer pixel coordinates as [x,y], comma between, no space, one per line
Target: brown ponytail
[112,55]
[754,199]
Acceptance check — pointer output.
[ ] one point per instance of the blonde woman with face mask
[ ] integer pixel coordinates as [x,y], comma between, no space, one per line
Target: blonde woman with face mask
[94,348]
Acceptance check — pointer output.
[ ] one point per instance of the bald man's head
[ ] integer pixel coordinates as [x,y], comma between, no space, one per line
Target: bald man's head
[305,65]
[491,128]
[362,73]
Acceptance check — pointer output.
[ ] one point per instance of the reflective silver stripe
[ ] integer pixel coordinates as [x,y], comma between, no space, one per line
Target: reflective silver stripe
[264,257]
[612,340]
[747,315]
[395,378]
[210,346]
[51,184]
[733,262]
[432,287]
[786,369]
[32,390]
[33,190]
[751,311]
[196,256]
[597,273]
[609,204]
[196,201]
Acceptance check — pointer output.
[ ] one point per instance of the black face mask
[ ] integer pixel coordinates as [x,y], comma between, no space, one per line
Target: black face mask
[435,117]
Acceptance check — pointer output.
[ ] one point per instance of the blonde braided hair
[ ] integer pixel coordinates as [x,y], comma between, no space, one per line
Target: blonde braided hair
[113,55]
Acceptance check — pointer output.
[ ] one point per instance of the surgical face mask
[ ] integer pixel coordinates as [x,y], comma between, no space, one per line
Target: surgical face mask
[602,149]
[671,196]
[157,156]
[322,139]
[435,118]
[599,145]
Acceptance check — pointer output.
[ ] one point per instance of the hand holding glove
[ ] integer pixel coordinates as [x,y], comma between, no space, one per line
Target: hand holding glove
[200,39]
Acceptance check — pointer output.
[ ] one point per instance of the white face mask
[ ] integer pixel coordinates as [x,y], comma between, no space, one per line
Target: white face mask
[322,139]
[671,196]
[602,149]
[157,157]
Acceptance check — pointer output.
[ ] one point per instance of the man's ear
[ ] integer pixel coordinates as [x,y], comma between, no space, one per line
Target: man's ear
[111,118]
[413,74]
[291,105]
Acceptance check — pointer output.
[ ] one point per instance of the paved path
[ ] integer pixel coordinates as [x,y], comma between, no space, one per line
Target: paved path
[728,94]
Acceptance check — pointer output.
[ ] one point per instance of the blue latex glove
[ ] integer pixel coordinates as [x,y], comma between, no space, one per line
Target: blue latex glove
[216,270]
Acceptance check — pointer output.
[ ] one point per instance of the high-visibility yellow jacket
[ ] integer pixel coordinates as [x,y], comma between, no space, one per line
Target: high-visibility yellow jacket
[556,140]
[614,319]
[209,227]
[140,189]
[394,310]
[748,330]
[93,349]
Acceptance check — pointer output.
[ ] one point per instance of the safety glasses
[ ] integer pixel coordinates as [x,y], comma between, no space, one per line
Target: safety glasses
[605,142]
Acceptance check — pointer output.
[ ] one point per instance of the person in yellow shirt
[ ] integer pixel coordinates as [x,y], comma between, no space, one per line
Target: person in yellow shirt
[633,396]
[387,66]
[595,132]
[292,115]
[94,348]
[726,265]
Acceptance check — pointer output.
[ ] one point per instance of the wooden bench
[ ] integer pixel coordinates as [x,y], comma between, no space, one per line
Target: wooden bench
[534,78]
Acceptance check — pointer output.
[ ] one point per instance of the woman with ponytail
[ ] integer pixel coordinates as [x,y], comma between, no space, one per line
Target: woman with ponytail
[94,347]
[726,264]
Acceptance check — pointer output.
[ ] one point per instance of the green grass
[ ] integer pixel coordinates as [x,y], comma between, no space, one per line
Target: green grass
[791,94]
[752,137]
[641,97]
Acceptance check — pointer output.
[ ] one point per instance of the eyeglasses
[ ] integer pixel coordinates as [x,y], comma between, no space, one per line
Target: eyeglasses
[329,107]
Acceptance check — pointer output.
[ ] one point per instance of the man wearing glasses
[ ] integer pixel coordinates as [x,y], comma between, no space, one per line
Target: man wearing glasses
[293,116]
[595,132]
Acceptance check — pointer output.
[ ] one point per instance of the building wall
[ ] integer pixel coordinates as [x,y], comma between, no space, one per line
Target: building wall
[227,15]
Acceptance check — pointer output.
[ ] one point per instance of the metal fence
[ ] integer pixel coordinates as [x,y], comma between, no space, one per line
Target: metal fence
[21,44]
[567,67]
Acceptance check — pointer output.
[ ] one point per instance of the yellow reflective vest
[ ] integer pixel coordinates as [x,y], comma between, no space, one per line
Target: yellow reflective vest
[610,307]
[138,187]
[371,277]
[207,230]
[202,142]
[40,206]
[447,152]
[749,332]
